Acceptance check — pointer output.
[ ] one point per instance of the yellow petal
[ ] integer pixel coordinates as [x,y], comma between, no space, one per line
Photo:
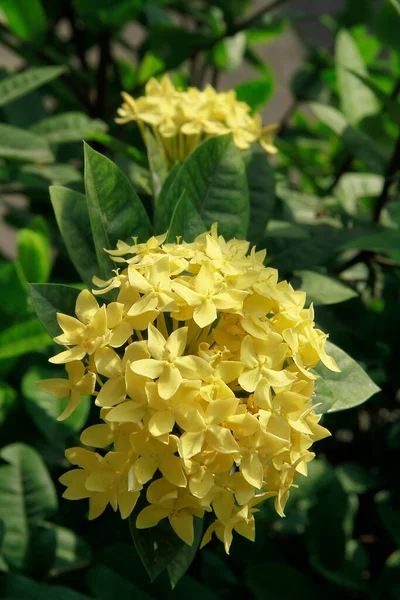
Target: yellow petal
[144,469]
[172,469]
[68,356]
[252,470]
[97,505]
[59,388]
[219,410]
[107,362]
[182,524]
[126,412]
[169,381]
[151,516]
[86,306]
[148,367]
[222,440]
[161,422]
[191,443]
[99,436]
[112,392]
[205,314]
[156,343]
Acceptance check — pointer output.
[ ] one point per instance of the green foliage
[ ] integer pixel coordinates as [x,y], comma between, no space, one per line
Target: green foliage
[326,209]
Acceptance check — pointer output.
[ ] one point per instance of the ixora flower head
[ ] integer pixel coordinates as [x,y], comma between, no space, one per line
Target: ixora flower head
[202,371]
[180,120]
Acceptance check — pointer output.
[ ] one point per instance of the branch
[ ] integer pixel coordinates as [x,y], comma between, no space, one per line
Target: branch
[238,27]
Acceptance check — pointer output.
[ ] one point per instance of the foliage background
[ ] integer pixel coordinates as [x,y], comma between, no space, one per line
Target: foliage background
[327,210]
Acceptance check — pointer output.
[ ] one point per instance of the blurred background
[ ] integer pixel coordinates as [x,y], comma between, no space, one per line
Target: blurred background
[328,72]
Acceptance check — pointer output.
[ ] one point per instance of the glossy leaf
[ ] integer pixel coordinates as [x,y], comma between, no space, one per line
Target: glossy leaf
[389,102]
[386,242]
[261,184]
[26,493]
[321,289]
[347,389]
[356,98]
[73,221]
[15,86]
[214,179]
[158,164]
[185,556]
[18,144]
[50,298]
[34,255]
[22,338]
[186,222]
[115,210]
[57,549]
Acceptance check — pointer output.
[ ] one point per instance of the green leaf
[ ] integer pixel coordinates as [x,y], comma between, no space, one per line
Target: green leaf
[340,391]
[387,242]
[150,66]
[391,104]
[50,298]
[356,142]
[17,587]
[282,581]
[44,408]
[356,479]
[255,93]
[386,24]
[15,301]
[58,549]
[22,338]
[39,176]
[18,144]
[7,400]
[261,184]
[352,187]
[286,229]
[389,579]
[26,494]
[29,25]
[115,210]
[214,179]
[106,584]
[356,98]
[18,85]
[228,54]
[389,515]
[68,127]
[74,224]
[321,289]
[159,546]
[185,556]
[158,164]
[185,222]
[34,255]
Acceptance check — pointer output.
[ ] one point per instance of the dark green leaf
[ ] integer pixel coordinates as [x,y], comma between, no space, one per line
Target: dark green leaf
[214,179]
[356,142]
[387,242]
[386,24]
[388,584]
[185,556]
[340,391]
[356,479]
[50,298]
[353,187]
[261,184]
[68,127]
[7,400]
[18,587]
[18,144]
[58,549]
[115,210]
[321,289]
[185,222]
[34,255]
[18,85]
[73,221]
[357,100]
[106,584]
[277,581]
[389,515]
[26,493]
[228,54]
[21,338]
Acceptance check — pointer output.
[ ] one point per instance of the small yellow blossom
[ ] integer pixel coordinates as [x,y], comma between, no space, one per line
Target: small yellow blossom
[180,120]
[202,373]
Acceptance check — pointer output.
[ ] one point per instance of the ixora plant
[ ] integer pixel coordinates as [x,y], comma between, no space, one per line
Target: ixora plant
[205,367]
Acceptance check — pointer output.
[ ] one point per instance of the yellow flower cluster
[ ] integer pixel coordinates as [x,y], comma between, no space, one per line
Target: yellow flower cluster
[201,369]
[180,120]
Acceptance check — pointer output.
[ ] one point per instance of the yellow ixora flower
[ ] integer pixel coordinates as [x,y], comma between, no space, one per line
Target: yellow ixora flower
[181,119]
[201,369]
